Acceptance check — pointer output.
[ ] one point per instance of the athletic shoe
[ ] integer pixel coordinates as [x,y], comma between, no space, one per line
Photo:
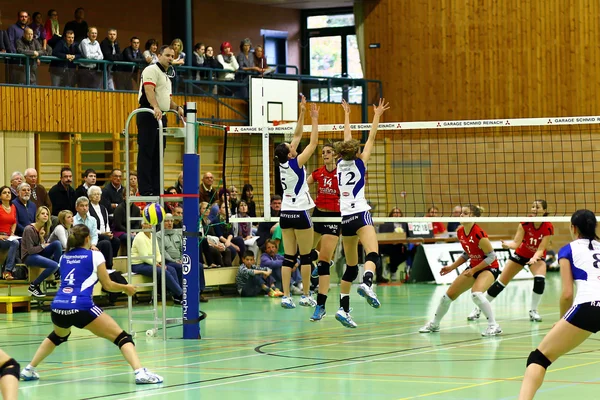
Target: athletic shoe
[345,318]
[492,330]
[315,273]
[319,313]
[143,376]
[35,291]
[430,327]
[368,293]
[287,302]
[534,316]
[296,290]
[29,374]
[307,301]
[394,276]
[278,293]
[475,314]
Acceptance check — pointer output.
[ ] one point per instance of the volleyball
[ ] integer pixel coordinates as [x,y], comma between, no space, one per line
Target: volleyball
[153,214]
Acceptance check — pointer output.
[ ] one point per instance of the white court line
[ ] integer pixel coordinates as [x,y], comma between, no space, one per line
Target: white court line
[21,387]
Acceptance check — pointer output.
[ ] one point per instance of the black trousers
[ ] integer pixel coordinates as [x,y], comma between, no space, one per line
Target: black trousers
[148,167]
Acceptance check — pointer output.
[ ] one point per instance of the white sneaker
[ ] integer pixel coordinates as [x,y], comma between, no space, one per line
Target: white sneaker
[368,293]
[296,290]
[430,327]
[345,318]
[394,276]
[287,302]
[492,330]
[534,316]
[475,314]
[29,374]
[307,301]
[143,376]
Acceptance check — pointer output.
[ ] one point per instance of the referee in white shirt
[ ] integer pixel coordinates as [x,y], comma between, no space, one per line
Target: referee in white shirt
[155,93]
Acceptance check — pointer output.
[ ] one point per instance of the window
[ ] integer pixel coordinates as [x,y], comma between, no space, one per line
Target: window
[329,21]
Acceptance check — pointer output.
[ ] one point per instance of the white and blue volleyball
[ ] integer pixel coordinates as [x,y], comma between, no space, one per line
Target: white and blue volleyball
[153,214]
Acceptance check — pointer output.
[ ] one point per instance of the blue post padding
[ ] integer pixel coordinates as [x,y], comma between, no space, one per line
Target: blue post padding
[191,250]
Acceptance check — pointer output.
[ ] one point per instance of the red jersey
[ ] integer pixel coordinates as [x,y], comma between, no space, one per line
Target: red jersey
[328,193]
[7,219]
[533,238]
[470,244]
[438,227]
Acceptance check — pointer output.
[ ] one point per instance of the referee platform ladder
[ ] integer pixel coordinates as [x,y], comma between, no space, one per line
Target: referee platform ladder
[152,319]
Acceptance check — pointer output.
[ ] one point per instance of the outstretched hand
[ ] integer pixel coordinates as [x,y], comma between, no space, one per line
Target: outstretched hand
[314,111]
[383,106]
[346,107]
[302,103]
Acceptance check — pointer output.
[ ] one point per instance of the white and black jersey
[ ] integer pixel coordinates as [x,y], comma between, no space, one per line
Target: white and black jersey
[351,183]
[296,196]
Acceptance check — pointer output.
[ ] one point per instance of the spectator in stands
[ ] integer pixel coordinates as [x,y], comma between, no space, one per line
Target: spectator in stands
[251,280]
[26,209]
[244,229]
[78,26]
[111,52]
[112,194]
[83,218]
[62,73]
[396,252]
[39,32]
[100,213]
[62,195]
[233,199]
[260,61]
[62,231]
[89,180]
[31,48]
[248,197]
[170,205]
[173,240]
[228,63]
[179,183]
[179,58]
[8,225]
[89,75]
[453,226]
[37,252]
[142,247]
[151,52]
[224,231]
[131,73]
[16,31]
[215,253]
[438,227]
[245,61]
[52,27]
[265,229]
[4,43]
[133,183]
[273,260]
[207,191]
[223,194]
[39,195]
[211,62]
[120,219]
[177,216]
[16,178]
[198,60]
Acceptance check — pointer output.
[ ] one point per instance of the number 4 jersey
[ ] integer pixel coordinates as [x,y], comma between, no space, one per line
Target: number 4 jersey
[351,183]
[78,275]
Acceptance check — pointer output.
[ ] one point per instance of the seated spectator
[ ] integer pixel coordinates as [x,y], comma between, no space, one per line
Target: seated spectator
[178,217]
[396,252]
[453,226]
[224,231]
[62,195]
[62,231]
[30,47]
[248,197]
[438,227]
[151,52]
[251,280]
[179,58]
[260,61]
[26,209]
[142,247]
[99,212]
[179,183]
[89,180]
[134,189]
[8,225]
[39,195]
[233,198]
[198,60]
[39,32]
[112,194]
[223,194]
[83,218]
[16,178]
[132,54]
[215,253]
[62,72]
[90,74]
[16,31]
[120,220]
[211,62]
[111,52]
[37,252]
[244,229]
[272,260]
[266,229]
[78,26]
[207,191]
[52,27]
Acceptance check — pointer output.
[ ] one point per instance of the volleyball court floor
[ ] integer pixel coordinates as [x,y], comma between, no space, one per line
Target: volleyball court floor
[254,349]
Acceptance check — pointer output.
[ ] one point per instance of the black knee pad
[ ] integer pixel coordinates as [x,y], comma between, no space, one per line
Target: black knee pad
[305,259]
[537,357]
[495,289]
[374,258]
[351,273]
[57,340]
[11,367]
[289,261]
[323,267]
[123,339]
[539,284]
[314,255]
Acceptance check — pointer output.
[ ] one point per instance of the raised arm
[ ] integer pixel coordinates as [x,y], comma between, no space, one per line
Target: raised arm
[378,110]
[347,131]
[314,136]
[299,126]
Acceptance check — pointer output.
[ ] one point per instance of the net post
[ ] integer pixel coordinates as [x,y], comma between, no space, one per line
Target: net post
[266,173]
[191,250]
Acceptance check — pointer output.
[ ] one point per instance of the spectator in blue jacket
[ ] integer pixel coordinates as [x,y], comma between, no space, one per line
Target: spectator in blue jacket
[26,208]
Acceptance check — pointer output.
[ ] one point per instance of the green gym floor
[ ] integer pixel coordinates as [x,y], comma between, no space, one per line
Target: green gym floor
[254,349]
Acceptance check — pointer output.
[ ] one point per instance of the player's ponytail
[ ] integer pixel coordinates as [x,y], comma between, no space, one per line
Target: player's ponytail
[585,222]
[475,210]
[77,237]
[281,153]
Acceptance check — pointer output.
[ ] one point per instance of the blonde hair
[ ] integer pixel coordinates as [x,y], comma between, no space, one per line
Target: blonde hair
[62,217]
[347,149]
[48,223]
[180,46]
[475,209]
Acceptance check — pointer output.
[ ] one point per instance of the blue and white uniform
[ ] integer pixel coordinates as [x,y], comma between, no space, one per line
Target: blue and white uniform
[585,267]
[73,303]
[353,204]
[296,197]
